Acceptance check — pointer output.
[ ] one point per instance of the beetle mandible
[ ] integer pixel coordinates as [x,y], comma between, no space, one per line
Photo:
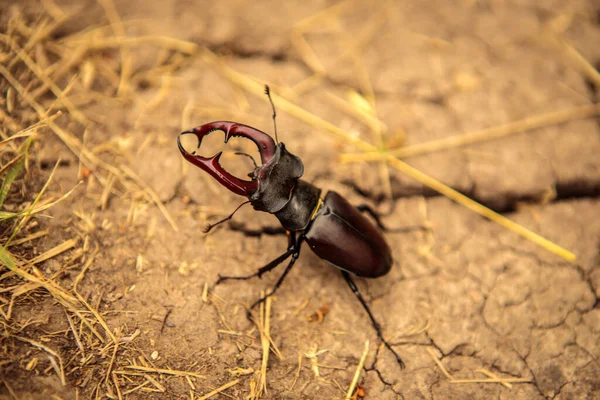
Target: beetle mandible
[334,230]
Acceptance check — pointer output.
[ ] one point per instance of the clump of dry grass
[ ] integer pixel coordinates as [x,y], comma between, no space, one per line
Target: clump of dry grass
[46,84]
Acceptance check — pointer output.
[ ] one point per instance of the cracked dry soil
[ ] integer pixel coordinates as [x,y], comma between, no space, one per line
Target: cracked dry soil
[489,299]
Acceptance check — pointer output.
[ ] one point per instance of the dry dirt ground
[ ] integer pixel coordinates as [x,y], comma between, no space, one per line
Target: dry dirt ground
[475,311]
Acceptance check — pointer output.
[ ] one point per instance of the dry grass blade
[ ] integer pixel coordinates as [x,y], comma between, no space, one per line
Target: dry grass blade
[112,361]
[31,211]
[265,321]
[53,252]
[75,334]
[29,238]
[439,364]
[367,118]
[87,305]
[359,368]
[257,89]
[96,43]
[138,387]
[484,135]
[306,52]
[51,8]
[154,382]
[482,210]
[62,296]
[61,372]
[44,29]
[219,389]
[119,31]
[297,373]
[31,130]
[10,390]
[162,371]
[501,381]
[494,376]
[117,386]
[579,60]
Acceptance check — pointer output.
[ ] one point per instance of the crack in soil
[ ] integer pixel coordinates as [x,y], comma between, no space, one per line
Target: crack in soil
[387,385]
[577,189]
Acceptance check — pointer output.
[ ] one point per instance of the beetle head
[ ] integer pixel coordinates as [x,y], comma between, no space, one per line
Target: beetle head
[276,181]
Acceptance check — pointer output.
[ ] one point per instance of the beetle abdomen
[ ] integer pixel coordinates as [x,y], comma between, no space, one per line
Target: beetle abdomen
[343,236]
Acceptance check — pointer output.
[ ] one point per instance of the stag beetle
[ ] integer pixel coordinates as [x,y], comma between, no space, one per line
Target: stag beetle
[334,230]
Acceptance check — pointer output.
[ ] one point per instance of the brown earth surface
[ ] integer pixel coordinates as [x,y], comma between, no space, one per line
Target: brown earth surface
[464,294]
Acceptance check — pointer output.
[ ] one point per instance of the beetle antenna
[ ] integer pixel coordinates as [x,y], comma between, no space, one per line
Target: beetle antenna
[268,93]
[239,153]
[208,227]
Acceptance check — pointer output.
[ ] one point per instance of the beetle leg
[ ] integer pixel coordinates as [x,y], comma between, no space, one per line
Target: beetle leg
[208,227]
[291,249]
[295,256]
[366,208]
[237,226]
[376,325]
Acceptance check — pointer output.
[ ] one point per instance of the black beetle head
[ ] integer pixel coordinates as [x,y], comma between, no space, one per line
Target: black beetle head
[276,180]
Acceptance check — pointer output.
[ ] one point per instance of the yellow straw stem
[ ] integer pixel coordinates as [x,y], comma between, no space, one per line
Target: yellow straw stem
[496,132]
[480,209]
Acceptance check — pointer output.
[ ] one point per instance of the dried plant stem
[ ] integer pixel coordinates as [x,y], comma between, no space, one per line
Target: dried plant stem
[118,29]
[265,321]
[219,389]
[161,371]
[501,381]
[87,305]
[94,43]
[61,371]
[359,368]
[484,135]
[53,252]
[439,364]
[581,62]
[30,130]
[75,334]
[10,390]
[481,210]
[495,377]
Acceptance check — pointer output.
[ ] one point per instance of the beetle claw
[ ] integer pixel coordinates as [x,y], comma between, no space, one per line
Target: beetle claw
[266,147]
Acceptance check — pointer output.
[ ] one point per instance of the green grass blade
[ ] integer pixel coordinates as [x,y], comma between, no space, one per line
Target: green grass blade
[6,259]
[13,172]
